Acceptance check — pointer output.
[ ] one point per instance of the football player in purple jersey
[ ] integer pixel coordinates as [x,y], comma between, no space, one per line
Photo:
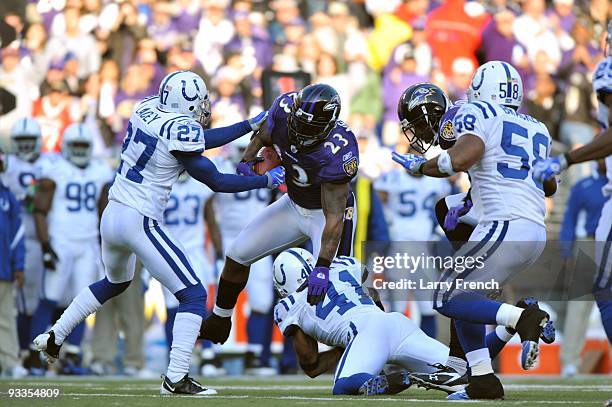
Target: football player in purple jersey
[320,156]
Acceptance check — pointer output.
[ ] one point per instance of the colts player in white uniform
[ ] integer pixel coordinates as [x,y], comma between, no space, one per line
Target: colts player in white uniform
[71,192]
[164,138]
[409,200]
[498,147]
[600,147]
[233,212]
[22,172]
[362,336]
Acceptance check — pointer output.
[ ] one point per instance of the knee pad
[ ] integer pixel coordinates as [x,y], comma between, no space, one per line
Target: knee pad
[104,290]
[351,384]
[192,299]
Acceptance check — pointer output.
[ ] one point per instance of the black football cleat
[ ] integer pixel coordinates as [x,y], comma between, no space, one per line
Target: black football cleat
[529,327]
[445,379]
[216,329]
[186,385]
[45,343]
[485,387]
[549,333]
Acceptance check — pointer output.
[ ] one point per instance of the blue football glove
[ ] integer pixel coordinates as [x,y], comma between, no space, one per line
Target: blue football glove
[276,176]
[318,280]
[411,162]
[545,169]
[451,220]
[258,120]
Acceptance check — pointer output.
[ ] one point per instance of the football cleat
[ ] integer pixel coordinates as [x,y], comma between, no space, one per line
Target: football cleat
[392,383]
[45,343]
[548,334]
[216,329]
[486,387]
[529,327]
[186,385]
[445,379]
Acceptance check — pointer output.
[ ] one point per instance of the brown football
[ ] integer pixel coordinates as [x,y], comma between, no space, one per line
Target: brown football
[270,160]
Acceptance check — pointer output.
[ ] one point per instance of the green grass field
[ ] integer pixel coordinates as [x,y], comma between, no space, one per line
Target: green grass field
[277,392]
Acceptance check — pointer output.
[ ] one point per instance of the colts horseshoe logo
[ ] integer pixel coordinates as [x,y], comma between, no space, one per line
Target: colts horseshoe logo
[474,85]
[284,277]
[190,98]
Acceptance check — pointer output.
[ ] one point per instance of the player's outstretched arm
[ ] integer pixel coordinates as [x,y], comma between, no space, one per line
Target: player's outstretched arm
[42,205]
[220,136]
[311,361]
[202,169]
[262,138]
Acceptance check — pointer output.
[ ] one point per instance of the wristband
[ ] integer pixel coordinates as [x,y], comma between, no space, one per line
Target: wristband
[445,165]
[565,160]
[323,262]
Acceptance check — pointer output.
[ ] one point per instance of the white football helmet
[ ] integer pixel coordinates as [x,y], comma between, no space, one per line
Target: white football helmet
[77,144]
[291,270]
[497,82]
[26,139]
[185,92]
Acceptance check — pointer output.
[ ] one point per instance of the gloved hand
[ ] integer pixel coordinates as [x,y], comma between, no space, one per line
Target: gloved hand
[451,220]
[546,169]
[246,167]
[318,280]
[49,256]
[276,176]
[258,120]
[410,162]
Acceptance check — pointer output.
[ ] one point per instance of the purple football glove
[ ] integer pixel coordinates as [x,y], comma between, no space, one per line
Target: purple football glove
[246,167]
[451,220]
[318,280]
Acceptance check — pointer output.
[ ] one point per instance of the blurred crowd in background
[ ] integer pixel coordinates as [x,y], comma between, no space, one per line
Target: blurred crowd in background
[91,60]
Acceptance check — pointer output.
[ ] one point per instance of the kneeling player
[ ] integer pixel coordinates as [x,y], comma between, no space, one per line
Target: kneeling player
[364,338]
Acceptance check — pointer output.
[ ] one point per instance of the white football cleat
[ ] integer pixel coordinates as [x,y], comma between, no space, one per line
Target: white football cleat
[45,343]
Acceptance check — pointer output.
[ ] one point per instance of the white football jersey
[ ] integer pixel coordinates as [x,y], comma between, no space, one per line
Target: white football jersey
[148,169]
[335,320]
[502,181]
[602,82]
[184,215]
[74,209]
[236,209]
[411,202]
[19,176]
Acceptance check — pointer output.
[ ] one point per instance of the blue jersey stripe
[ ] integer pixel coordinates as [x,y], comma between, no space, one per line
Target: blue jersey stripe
[164,254]
[177,251]
[491,108]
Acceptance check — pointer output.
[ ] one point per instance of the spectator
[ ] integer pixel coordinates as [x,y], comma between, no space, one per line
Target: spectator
[393,85]
[542,104]
[15,79]
[500,44]
[229,106]
[12,261]
[584,55]
[82,45]
[132,89]
[462,72]
[256,48]
[54,111]
[163,29]
[214,32]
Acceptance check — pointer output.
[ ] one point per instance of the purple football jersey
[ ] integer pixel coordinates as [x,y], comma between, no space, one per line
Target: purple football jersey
[336,160]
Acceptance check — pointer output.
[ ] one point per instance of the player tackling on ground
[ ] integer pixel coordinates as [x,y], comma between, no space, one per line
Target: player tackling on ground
[497,146]
[320,155]
[164,138]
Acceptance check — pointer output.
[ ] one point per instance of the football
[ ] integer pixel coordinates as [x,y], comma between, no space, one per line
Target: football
[270,160]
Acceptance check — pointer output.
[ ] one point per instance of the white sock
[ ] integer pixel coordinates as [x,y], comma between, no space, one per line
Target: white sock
[80,308]
[184,334]
[458,364]
[508,315]
[503,334]
[479,361]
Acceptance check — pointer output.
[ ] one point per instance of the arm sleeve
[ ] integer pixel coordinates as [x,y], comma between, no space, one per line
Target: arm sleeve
[17,247]
[223,135]
[568,226]
[202,169]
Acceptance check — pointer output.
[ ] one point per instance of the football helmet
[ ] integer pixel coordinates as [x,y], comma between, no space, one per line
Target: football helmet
[419,110]
[185,92]
[25,139]
[313,115]
[496,82]
[291,270]
[77,144]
